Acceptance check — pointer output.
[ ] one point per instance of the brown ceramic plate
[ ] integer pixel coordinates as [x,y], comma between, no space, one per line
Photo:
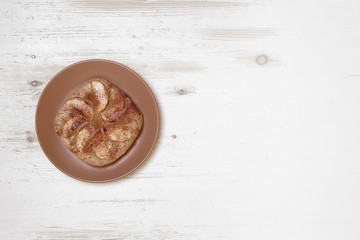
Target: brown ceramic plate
[60,88]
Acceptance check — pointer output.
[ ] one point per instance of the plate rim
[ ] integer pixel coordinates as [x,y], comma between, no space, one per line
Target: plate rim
[156,137]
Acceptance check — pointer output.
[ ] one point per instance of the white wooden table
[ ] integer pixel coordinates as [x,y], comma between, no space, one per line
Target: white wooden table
[260,119]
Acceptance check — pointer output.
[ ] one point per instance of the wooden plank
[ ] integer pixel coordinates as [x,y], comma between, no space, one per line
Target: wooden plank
[259,110]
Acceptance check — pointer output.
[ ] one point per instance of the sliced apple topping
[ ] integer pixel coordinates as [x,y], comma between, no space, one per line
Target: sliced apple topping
[115,113]
[102,97]
[83,138]
[99,145]
[117,133]
[71,125]
[82,106]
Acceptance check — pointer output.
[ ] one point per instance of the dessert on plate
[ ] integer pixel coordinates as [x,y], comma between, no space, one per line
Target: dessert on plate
[98,122]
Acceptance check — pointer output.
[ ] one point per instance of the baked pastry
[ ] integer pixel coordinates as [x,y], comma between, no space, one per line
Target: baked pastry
[98,122]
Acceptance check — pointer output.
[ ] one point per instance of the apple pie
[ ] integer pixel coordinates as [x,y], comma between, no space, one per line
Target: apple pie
[98,122]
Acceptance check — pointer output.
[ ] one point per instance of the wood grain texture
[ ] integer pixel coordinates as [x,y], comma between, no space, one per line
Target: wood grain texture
[259,107]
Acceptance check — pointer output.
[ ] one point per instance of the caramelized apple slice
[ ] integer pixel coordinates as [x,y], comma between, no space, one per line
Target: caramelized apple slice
[102,97]
[71,125]
[117,133]
[82,106]
[99,145]
[115,113]
[83,138]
